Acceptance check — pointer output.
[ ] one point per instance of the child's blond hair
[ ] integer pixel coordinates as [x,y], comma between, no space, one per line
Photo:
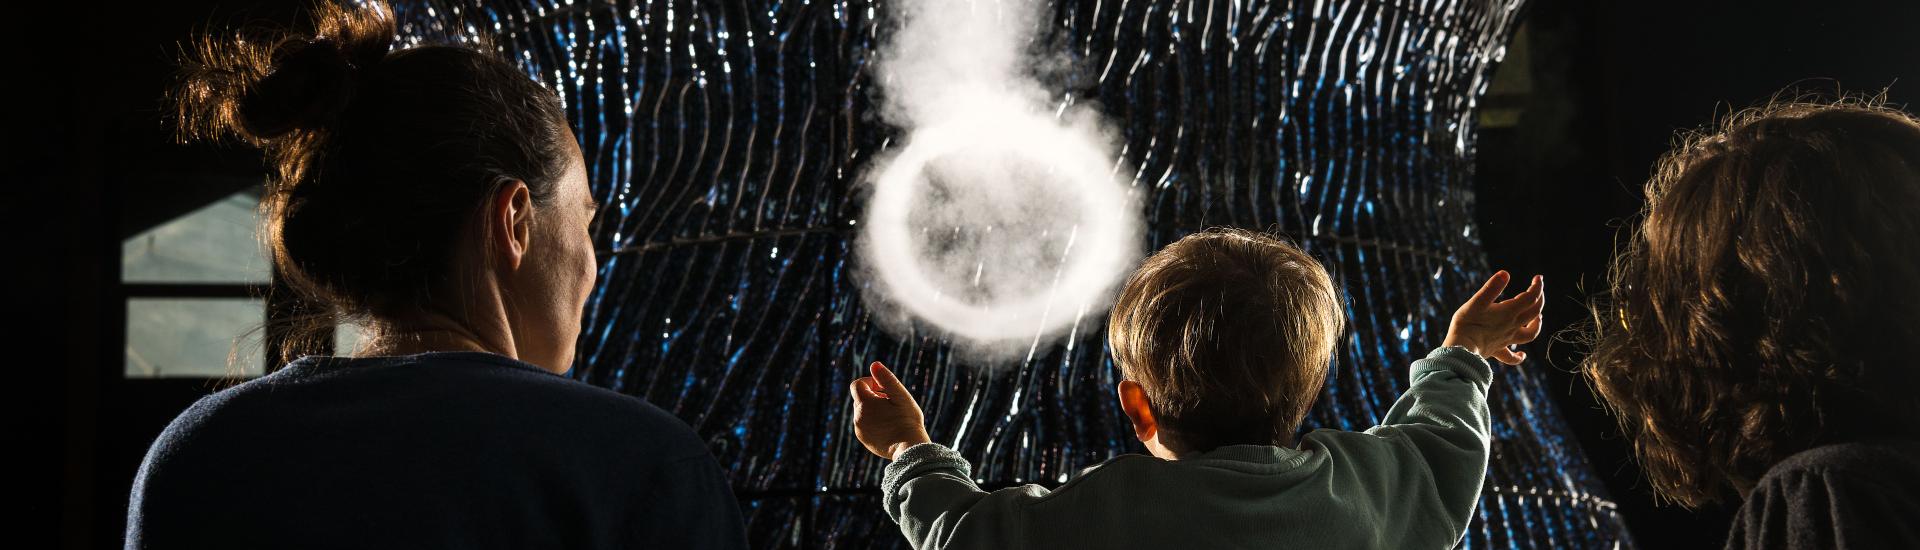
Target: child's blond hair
[1230,333]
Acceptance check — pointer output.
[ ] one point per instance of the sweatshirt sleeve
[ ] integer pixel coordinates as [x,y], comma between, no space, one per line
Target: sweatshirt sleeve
[1443,416]
[928,492]
[1428,456]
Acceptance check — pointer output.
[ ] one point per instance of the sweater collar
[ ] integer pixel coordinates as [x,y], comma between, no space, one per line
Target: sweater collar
[314,363]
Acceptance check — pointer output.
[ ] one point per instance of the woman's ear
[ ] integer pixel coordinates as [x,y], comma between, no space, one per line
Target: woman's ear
[510,223]
[1133,401]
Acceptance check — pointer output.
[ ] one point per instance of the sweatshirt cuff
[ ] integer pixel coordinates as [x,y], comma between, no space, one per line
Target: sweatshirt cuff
[1455,359]
[919,460]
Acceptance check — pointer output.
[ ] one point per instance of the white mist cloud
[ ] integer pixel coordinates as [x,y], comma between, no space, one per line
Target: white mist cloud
[1000,220]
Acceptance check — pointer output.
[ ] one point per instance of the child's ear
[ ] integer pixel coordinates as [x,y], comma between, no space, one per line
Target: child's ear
[1133,401]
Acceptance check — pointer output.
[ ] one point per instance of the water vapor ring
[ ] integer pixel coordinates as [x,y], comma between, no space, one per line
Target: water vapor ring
[1097,253]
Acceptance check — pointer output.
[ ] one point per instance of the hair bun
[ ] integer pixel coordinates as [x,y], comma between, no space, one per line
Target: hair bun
[309,84]
[261,89]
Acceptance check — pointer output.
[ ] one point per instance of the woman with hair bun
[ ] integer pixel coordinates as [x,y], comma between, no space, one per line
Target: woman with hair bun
[435,195]
[1758,343]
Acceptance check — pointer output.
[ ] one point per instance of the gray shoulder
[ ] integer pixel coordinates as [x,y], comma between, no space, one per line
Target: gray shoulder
[1883,459]
[1120,467]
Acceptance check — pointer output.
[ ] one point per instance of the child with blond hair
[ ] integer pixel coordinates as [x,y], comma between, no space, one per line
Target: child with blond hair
[1224,340]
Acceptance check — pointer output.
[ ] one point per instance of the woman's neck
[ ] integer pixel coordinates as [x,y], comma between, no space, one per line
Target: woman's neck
[426,333]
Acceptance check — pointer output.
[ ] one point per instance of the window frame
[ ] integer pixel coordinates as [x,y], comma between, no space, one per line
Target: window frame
[279,300]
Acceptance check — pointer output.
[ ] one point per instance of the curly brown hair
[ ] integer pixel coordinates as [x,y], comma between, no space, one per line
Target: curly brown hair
[1766,299]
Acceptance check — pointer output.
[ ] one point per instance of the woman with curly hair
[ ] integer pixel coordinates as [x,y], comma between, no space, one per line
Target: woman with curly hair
[436,195]
[1758,340]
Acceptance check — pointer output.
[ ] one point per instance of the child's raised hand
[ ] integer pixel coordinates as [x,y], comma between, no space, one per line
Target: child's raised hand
[1487,328]
[885,417]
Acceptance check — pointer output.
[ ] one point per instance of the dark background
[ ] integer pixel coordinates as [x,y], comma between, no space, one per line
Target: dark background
[1592,93]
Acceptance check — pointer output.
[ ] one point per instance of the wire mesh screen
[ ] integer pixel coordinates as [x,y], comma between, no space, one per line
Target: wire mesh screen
[729,138]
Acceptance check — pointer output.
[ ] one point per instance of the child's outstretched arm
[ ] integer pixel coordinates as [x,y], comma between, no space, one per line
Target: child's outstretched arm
[1444,412]
[927,489]
[1428,456]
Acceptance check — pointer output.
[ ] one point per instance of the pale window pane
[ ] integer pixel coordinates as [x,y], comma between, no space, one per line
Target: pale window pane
[215,244]
[192,337]
[347,338]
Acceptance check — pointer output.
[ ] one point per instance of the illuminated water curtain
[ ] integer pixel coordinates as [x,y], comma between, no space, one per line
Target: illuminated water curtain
[798,188]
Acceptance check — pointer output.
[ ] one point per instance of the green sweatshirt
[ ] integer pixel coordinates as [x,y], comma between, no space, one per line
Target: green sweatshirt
[1411,482]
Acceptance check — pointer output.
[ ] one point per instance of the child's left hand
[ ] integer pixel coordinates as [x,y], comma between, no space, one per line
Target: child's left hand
[886,419]
[1490,328]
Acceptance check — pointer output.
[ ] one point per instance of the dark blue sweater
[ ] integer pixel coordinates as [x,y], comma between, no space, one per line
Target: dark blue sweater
[438,450]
